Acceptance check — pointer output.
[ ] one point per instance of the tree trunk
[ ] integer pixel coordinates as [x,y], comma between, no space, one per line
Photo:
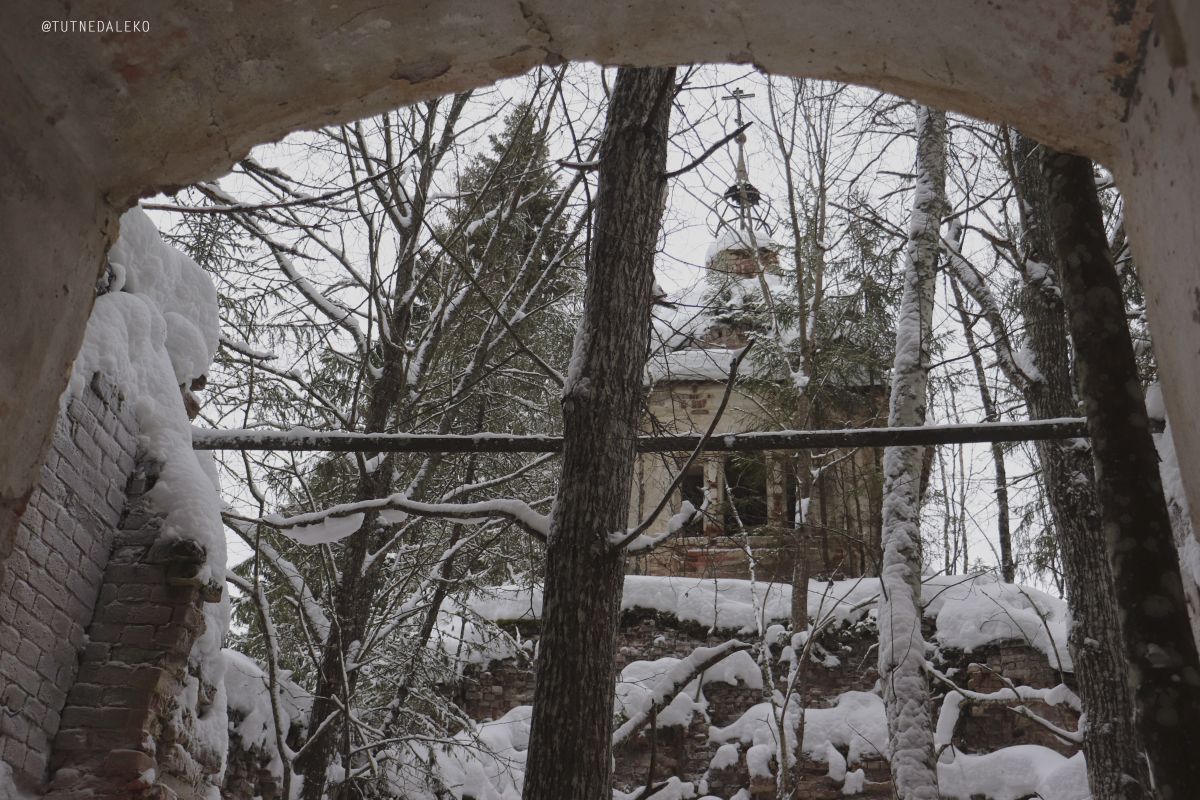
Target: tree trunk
[901,644]
[1110,745]
[1164,673]
[570,739]
[1008,568]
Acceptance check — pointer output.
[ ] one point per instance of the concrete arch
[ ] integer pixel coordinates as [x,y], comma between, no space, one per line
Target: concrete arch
[94,120]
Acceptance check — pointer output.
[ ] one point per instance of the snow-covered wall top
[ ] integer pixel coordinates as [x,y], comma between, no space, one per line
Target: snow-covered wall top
[969,611]
[730,238]
[153,331]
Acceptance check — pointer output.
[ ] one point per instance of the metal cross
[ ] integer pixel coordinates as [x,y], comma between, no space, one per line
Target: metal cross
[737,95]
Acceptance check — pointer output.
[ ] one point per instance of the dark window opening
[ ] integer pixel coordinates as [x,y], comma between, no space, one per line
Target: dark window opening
[747,484]
[691,488]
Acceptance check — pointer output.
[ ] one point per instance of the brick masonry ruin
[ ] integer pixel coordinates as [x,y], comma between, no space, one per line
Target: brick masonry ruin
[128,723]
[489,691]
[53,577]
[98,693]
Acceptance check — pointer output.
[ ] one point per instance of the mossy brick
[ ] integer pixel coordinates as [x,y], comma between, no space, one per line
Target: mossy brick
[86,695]
[188,615]
[136,573]
[95,719]
[139,613]
[176,638]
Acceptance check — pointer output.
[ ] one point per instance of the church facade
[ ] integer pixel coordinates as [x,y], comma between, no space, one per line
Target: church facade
[780,514]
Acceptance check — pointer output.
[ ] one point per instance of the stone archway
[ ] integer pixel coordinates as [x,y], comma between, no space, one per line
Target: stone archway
[94,120]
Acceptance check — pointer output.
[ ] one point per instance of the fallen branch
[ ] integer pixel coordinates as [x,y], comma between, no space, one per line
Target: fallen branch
[701,659]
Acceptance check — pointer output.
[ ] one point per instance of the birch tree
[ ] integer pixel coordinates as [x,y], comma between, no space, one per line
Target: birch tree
[901,643]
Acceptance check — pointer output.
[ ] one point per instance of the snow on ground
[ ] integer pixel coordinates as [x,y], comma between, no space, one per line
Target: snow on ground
[488,763]
[247,689]
[155,329]
[969,611]
[1014,773]
[645,684]
[855,724]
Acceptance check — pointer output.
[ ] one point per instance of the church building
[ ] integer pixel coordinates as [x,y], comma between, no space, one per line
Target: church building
[780,513]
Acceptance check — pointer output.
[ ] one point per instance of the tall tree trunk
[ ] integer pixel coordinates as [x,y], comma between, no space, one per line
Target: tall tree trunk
[1008,568]
[901,643]
[570,739]
[1164,672]
[1110,744]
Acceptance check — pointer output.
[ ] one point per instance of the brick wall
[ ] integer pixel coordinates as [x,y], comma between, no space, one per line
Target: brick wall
[128,728]
[985,727]
[52,579]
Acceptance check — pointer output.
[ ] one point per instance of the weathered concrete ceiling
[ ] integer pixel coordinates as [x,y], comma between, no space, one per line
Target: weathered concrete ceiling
[212,79]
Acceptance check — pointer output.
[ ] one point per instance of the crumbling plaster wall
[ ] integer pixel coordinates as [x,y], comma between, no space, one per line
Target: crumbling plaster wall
[94,121]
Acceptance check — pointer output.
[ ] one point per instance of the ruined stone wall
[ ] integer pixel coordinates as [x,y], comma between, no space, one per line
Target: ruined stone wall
[844,661]
[983,728]
[131,723]
[96,690]
[54,574]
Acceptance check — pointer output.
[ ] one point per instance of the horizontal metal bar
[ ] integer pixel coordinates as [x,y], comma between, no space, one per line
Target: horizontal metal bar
[344,442]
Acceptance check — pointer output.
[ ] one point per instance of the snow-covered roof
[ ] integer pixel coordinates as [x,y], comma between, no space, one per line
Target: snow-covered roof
[684,323]
[730,238]
[692,364]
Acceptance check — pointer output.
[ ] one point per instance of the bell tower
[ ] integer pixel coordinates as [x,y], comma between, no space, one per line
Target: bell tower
[744,246]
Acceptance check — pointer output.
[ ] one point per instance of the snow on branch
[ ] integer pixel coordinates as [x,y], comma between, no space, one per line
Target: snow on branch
[338,522]
[1017,367]
[1012,697]
[648,541]
[669,685]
